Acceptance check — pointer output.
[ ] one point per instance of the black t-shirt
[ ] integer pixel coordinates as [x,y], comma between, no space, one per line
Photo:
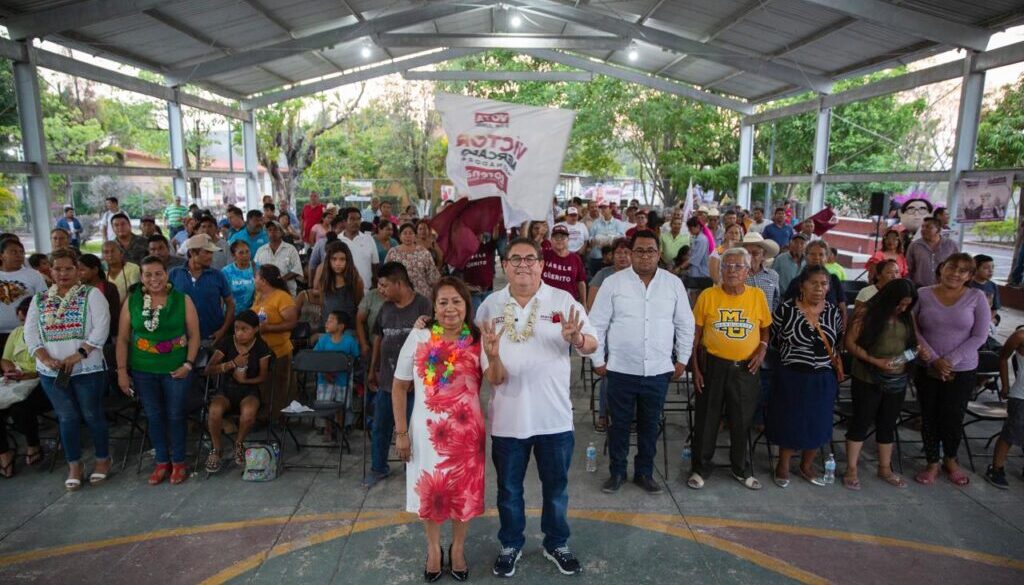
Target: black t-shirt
[394,325]
[259,351]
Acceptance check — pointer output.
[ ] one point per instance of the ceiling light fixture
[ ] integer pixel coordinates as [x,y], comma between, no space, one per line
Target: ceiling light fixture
[514,19]
[634,52]
[366,51]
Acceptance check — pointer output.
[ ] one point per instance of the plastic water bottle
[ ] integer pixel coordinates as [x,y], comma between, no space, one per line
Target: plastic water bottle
[262,315]
[686,453]
[591,457]
[830,470]
[903,359]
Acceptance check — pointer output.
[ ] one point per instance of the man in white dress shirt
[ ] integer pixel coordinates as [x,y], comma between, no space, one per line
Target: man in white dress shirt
[362,246]
[530,408]
[641,314]
[281,254]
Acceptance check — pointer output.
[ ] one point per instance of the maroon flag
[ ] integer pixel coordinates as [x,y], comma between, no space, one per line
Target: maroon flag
[824,220]
[459,226]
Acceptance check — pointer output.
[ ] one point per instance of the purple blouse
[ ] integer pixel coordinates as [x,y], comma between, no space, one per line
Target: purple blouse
[955,333]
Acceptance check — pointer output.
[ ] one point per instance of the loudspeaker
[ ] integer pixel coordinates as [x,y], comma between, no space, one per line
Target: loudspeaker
[877,204]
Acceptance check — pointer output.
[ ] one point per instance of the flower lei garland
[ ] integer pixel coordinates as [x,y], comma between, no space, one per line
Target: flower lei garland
[431,381]
[151,318]
[55,314]
[510,319]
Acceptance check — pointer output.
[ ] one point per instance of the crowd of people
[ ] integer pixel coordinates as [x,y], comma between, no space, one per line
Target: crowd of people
[753,312]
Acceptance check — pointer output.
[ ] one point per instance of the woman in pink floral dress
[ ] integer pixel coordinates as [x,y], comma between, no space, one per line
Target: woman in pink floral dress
[417,260]
[444,443]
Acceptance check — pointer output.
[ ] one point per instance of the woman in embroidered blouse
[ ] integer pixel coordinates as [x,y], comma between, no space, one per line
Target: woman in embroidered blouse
[417,261]
[444,442]
[119,272]
[158,339]
[804,392]
[65,330]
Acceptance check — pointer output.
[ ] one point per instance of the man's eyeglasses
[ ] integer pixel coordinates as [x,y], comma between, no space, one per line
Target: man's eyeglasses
[917,210]
[733,267]
[645,251]
[518,261]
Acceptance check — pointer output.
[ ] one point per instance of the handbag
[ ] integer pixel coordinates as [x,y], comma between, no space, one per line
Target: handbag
[837,362]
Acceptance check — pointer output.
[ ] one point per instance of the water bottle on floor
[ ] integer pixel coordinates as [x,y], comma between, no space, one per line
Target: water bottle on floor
[687,453]
[591,457]
[830,470]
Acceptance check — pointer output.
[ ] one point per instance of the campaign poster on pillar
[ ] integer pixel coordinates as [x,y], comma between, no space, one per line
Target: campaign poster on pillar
[984,198]
[496,149]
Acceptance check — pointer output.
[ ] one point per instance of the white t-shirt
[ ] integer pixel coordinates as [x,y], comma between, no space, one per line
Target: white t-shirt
[364,255]
[534,400]
[758,227]
[578,235]
[14,288]
[107,216]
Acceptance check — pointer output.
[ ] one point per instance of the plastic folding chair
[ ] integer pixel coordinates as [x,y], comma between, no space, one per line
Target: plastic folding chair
[306,364]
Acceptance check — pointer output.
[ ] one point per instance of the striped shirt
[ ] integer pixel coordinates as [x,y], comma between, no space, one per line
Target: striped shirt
[768,281]
[173,215]
[796,339]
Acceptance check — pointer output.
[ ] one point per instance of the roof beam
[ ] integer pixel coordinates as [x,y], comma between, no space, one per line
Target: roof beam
[719,28]
[905,20]
[643,18]
[569,76]
[503,41]
[200,37]
[359,17]
[726,56]
[355,77]
[641,79]
[74,16]
[286,28]
[323,39]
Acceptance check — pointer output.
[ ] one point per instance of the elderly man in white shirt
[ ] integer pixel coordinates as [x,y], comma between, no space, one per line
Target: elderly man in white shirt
[281,254]
[641,314]
[528,329]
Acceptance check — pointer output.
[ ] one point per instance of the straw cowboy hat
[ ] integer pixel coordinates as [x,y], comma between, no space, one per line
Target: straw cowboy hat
[771,249]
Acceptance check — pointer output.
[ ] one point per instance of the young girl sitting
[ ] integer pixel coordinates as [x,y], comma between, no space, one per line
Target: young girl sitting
[339,335]
[244,361]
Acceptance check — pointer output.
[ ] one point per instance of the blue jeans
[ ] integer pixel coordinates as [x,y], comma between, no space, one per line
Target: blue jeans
[602,398]
[81,400]
[383,428]
[642,397]
[165,400]
[511,457]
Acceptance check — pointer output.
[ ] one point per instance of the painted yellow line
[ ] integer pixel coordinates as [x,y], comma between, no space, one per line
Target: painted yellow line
[254,561]
[34,555]
[646,522]
[980,557]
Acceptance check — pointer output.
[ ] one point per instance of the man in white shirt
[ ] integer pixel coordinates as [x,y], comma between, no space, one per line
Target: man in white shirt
[113,208]
[362,246]
[528,328]
[758,221]
[578,233]
[641,315]
[603,232]
[281,254]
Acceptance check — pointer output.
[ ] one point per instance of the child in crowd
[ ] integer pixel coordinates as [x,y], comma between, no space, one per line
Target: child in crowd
[983,282]
[1013,427]
[243,360]
[682,262]
[339,335]
[833,264]
[41,264]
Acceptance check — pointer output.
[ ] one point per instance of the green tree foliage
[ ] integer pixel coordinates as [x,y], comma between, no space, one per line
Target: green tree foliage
[1001,132]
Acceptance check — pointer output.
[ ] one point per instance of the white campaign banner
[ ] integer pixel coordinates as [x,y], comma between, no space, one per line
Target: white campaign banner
[496,149]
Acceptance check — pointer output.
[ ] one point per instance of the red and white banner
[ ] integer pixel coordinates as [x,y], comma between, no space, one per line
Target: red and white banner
[496,149]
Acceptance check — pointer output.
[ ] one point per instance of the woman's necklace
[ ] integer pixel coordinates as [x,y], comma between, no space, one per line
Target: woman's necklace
[54,313]
[431,380]
[515,335]
[151,316]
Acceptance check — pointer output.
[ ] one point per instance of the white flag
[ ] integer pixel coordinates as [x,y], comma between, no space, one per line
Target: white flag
[688,208]
[496,149]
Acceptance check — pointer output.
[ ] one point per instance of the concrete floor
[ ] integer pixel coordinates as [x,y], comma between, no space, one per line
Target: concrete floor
[311,527]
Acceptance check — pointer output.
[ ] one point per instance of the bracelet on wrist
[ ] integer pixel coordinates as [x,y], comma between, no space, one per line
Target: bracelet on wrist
[405,434]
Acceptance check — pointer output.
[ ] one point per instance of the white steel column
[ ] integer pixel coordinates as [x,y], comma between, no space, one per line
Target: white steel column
[178,160]
[972,92]
[746,164]
[252,188]
[33,141]
[821,137]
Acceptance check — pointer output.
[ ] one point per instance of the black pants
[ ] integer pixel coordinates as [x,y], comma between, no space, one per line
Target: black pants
[25,416]
[942,412]
[731,385]
[871,406]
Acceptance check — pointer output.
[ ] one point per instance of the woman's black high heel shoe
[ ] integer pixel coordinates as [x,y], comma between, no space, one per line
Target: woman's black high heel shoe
[431,577]
[457,575]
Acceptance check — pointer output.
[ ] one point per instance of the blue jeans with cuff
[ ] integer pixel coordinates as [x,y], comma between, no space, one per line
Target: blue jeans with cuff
[511,457]
[81,400]
[165,400]
[383,429]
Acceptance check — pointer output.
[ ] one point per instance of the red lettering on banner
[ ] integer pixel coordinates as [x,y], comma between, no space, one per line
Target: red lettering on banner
[481,176]
[495,120]
[494,142]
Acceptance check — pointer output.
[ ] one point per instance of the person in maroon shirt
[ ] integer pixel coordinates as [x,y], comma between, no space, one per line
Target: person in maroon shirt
[479,270]
[563,269]
[312,213]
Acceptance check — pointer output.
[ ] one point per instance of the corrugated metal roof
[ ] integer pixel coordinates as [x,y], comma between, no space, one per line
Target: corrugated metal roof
[798,34]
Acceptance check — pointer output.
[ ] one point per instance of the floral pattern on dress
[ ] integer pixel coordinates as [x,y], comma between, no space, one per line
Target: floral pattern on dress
[419,263]
[454,488]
